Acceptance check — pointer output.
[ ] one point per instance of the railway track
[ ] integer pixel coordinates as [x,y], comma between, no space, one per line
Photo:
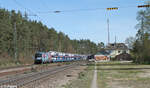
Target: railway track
[21,69]
[23,80]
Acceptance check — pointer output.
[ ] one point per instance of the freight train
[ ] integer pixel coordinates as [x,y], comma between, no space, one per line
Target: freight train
[53,56]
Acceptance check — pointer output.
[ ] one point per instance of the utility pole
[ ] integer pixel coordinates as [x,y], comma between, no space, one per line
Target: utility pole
[108,30]
[142,27]
[15,44]
[108,9]
[115,39]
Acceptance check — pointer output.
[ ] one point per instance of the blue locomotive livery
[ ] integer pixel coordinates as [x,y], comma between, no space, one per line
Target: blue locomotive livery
[53,56]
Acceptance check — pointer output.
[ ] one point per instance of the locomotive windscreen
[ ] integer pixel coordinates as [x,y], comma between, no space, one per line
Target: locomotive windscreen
[38,55]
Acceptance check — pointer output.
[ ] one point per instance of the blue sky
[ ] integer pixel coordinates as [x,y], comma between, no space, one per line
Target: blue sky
[83,24]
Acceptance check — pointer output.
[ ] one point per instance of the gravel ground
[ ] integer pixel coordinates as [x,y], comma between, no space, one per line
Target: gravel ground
[59,79]
[94,82]
[18,71]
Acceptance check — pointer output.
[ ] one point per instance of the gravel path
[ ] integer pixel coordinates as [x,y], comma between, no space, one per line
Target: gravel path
[94,82]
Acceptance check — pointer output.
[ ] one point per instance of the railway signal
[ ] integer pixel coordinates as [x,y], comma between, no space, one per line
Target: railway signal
[142,6]
[114,8]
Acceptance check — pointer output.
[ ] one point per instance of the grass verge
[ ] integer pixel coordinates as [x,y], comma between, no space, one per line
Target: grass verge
[120,75]
[84,79]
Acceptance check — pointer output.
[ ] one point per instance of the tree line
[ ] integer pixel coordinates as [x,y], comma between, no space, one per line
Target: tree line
[140,45]
[23,36]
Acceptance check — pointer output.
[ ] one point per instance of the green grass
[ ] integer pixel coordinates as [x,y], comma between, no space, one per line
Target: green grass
[101,80]
[116,74]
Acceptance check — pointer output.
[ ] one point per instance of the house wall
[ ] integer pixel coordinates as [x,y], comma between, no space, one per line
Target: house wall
[114,53]
[101,57]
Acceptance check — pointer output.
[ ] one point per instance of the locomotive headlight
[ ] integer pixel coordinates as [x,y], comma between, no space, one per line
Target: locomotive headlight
[38,58]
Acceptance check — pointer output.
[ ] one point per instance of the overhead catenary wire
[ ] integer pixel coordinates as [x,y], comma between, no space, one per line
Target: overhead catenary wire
[71,10]
[19,4]
[44,4]
[81,10]
[85,9]
[33,13]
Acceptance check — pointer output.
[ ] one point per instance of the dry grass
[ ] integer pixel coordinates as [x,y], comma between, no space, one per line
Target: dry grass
[84,79]
[120,75]
[7,61]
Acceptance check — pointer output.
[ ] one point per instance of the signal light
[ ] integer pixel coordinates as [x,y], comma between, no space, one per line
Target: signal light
[141,6]
[114,8]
